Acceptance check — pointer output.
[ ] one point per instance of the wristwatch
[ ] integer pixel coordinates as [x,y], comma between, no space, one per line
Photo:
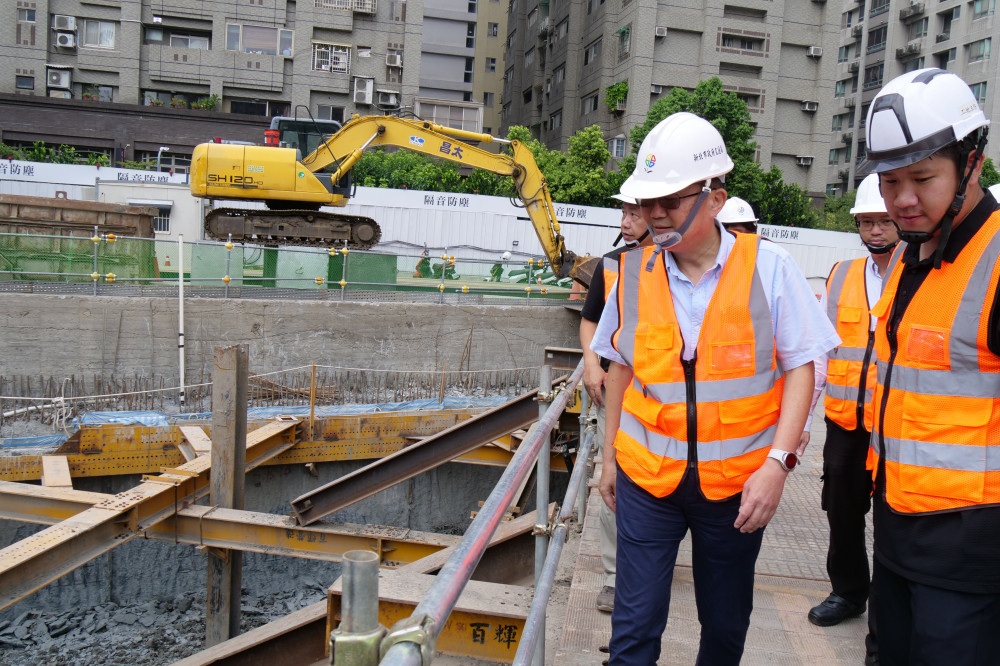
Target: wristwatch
[786,459]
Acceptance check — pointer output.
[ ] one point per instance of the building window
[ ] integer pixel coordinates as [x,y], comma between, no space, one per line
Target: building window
[914,65]
[562,29]
[592,52]
[593,4]
[472,6]
[254,107]
[529,57]
[488,100]
[182,40]
[491,64]
[616,147]
[876,39]
[452,114]
[492,29]
[470,65]
[873,76]
[981,8]
[470,36]
[846,18]
[559,74]
[25,27]
[840,89]
[879,7]
[624,42]
[98,34]
[918,29]
[979,90]
[742,43]
[329,112]
[24,82]
[979,50]
[510,38]
[589,104]
[532,16]
[555,120]
[946,57]
[838,123]
[834,157]
[161,223]
[526,95]
[331,58]
[844,54]
[257,39]
[833,189]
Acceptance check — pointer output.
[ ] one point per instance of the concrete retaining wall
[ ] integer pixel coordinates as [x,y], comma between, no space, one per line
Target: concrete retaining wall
[64,335]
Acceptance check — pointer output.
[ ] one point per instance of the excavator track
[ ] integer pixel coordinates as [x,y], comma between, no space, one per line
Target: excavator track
[292,227]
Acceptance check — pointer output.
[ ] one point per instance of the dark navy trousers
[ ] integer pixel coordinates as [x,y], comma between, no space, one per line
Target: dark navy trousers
[650,530]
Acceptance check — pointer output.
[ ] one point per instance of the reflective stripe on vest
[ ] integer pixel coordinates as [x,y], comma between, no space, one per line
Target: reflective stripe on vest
[937,400]
[737,380]
[847,308]
[610,267]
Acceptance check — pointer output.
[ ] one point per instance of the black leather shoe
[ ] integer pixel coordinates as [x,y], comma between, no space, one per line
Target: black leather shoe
[834,610]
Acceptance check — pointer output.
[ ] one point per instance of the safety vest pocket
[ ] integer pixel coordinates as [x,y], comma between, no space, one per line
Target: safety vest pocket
[927,346]
[656,336]
[923,474]
[731,358]
[645,409]
[849,314]
[746,416]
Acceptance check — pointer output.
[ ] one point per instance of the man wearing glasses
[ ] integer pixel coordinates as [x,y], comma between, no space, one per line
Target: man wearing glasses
[711,338]
[852,288]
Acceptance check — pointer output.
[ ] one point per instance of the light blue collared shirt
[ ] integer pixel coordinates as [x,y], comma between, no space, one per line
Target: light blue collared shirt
[802,331]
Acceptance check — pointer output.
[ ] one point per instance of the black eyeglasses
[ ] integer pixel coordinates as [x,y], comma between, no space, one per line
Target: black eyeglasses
[868,225]
[669,202]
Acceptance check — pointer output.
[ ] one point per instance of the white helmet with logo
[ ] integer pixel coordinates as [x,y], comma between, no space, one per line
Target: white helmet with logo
[917,114]
[624,199]
[682,149]
[735,211]
[869,197]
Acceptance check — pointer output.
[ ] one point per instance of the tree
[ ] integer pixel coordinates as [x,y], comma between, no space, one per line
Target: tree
[837,212]
[989,175]
[774,201]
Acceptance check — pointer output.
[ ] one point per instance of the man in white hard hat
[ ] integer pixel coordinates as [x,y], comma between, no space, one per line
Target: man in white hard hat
[711,337]
[634,233]
[738,216]
[852,288]
[936,407]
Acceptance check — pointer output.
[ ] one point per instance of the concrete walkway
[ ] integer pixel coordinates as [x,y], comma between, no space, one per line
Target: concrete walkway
[791,578]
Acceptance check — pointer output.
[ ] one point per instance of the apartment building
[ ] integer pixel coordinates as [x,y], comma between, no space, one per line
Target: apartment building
[777,55]
[881,39]
[127,79]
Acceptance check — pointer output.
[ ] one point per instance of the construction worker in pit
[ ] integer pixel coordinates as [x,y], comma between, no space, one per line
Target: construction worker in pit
[634,233]
[936,406]
[852,289]
[711,337]
[738,216]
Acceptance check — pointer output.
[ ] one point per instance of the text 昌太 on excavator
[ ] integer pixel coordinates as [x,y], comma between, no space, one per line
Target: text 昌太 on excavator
[294,188]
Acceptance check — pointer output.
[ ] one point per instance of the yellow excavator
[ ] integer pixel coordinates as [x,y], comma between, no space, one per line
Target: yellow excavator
[294,188]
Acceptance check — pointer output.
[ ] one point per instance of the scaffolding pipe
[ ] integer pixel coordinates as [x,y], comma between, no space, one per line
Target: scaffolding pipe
[584,460]
[542,497]
[180,313]
[534,626]
[413,638]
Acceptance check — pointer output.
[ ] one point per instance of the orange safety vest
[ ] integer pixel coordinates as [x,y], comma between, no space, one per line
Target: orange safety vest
[717,412]
[937,399]
[850,367]
[610,267]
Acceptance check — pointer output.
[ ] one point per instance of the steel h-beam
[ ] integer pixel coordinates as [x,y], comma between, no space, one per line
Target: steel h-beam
[421,457]
[45,556]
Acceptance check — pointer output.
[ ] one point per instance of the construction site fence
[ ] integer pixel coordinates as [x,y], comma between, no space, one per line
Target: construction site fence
[57,401]
[104,264]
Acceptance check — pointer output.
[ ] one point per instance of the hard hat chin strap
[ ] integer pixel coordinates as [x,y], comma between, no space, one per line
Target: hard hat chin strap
[879,249]
[671,238]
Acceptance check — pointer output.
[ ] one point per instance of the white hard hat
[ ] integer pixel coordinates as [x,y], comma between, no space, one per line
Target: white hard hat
[869,197]
[917,114]
[682,149]
[736,210]
[624,199]
[506,255]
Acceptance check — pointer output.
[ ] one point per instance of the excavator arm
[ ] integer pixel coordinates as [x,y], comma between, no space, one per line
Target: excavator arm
[345,148]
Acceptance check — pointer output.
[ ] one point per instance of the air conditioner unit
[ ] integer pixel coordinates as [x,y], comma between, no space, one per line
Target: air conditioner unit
[61,94]
[847,137]
[621,104]
[388,98]
[59,78]
[61,22]
[394,60]
[363,89]
[804,160]
[810,106]
[655,89]
[815,51]
[66,40]
[853,67]
[661,31]
[858,30]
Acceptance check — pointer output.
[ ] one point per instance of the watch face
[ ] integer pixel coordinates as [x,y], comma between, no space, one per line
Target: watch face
[791,460]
